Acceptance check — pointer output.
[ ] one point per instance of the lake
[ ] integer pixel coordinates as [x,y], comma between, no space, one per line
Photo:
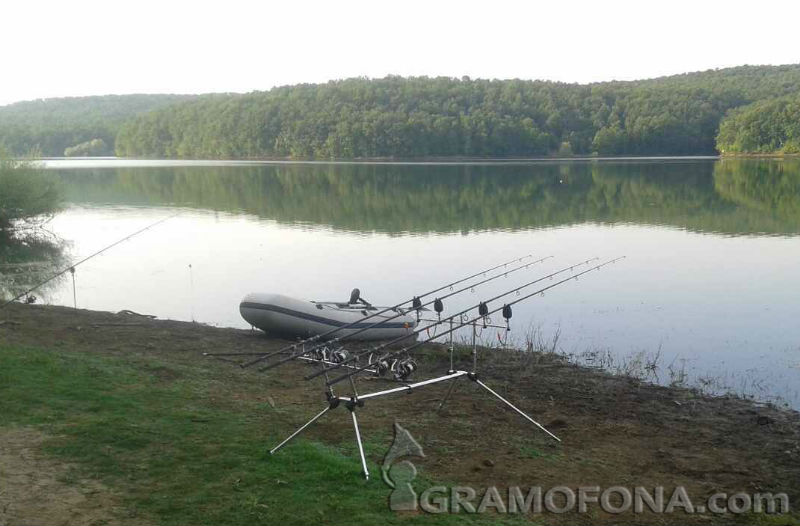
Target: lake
[709,291]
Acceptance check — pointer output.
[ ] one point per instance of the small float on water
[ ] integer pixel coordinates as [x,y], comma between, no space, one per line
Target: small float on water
[292,317]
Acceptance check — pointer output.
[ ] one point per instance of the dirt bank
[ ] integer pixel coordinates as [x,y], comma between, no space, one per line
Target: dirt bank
[40,490]
[615,431]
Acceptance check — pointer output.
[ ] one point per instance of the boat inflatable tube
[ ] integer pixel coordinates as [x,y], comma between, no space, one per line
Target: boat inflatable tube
[292,317]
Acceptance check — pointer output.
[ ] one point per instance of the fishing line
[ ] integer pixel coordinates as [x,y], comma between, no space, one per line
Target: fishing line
[71,268]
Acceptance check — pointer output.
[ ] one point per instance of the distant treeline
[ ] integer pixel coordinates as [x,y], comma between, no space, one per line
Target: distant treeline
[72,126]
[422,117]
[690,114]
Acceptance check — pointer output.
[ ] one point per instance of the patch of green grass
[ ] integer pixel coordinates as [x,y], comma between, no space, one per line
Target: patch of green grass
[178,451]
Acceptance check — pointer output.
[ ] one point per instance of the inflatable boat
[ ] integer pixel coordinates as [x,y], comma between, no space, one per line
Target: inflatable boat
[297,318]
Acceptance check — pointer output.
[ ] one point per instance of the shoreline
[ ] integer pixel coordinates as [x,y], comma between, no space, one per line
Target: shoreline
[724,156]
[433,160]
[614,430]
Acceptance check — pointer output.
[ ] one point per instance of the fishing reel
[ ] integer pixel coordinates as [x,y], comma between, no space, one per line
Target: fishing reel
[401,368]
[381,365]
[327,354]
[339,355]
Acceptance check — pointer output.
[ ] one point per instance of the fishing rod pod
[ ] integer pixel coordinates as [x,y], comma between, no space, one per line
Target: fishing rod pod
[468,322]
[453,317]
[402,365]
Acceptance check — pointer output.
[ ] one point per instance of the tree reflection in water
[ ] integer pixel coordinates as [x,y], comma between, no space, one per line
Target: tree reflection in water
[28,258]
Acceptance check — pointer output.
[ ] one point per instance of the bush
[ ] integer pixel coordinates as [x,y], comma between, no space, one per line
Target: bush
[28,194]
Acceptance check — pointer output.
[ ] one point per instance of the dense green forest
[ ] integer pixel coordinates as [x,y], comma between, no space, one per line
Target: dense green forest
[82,125]
[743,109]
[423,117]
[769,126]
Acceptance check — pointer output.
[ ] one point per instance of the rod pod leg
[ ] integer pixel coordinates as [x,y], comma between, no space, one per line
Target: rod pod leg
[352,409]
[475,379]
[449,393]
[300,429]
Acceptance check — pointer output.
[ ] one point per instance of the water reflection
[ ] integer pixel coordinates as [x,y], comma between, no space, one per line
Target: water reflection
[768,186]
[730,197]
[28,259]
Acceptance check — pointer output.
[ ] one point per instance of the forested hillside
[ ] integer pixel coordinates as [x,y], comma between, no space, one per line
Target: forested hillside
[427,117]
[769,126]
[420,117]
[82,125]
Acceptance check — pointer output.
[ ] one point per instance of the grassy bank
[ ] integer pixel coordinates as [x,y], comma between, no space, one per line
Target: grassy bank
[176,452]
[118,419]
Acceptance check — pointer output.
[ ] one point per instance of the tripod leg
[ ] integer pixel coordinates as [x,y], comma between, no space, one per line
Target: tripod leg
[300,430]
[515,408]
[447,396]
[360,446]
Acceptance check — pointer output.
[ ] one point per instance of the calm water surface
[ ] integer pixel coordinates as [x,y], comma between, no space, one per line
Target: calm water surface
[710,285]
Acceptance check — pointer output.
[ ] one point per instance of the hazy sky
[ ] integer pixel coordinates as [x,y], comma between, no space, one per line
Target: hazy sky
[77,47]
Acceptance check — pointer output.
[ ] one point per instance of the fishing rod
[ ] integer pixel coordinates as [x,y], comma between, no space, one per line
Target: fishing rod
[418,331]
[438,306]
[71,268]
[506,309]
[317,337]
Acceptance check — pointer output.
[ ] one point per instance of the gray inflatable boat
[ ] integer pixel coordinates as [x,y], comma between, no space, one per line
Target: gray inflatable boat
[297,318]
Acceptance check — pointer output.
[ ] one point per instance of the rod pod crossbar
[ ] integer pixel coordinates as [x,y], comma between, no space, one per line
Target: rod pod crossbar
[354,402]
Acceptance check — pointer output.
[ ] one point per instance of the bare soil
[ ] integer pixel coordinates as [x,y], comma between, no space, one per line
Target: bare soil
[36,489]
[615,431]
